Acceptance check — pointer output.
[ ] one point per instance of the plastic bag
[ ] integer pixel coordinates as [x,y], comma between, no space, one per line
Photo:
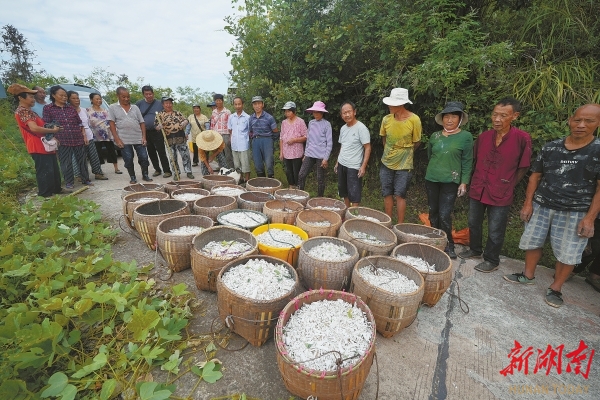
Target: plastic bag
[459,237]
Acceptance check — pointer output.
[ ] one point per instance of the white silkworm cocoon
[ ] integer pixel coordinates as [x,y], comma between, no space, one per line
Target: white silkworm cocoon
[417,262]
[328,251]
[279,238]
[244,219]
[367,238]
[388,279]
[186,230]
[259,279]
[188,196]
[226,249]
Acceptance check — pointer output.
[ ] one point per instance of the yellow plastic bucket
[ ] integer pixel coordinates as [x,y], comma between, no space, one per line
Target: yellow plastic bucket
[289,254]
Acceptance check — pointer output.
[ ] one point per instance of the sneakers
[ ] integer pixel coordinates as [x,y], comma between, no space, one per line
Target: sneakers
[519,278]
[450,253]
[133,180]
[146,178]
[156,173]
[469,254]
[100,177]
[486,266]
[88,183]
[69,186]
[594,282]
[553,298]
[190,175]
[167,175]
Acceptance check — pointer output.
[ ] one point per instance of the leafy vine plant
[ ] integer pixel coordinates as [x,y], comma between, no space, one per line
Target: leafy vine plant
[74,323]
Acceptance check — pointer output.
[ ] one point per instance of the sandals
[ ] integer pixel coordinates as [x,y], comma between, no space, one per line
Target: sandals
[118,172]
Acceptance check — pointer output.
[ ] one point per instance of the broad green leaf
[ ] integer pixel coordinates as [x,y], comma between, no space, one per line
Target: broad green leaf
[173,364]
[108,387]
[147,392]
[196,370]
[98,362]
[210,374]
[69,393]
[7,250]
[141,323]
[179,290]
[58,382]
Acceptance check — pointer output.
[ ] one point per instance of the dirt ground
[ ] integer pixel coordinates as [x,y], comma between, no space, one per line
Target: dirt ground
[448,353]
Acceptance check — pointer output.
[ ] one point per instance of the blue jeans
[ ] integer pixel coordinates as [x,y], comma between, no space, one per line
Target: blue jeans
[262,154]
[497,218]
[440,198]
[142,153]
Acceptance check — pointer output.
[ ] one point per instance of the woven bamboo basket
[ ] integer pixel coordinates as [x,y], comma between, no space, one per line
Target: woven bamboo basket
[253,200]
[282,211]
[345,384]
[206,268]
[267,185]
[305,218]
[326,203]
[172,186]
[358,212]
[221,190]
[415,233]
[392,311]
[130,202]
[258,217]
[147,216]
[208,181]
[315,273]
[211,206]
[252,319]
[142,187]
[372,228]
[175,249]
[297,195]
[194,190]
[436,282]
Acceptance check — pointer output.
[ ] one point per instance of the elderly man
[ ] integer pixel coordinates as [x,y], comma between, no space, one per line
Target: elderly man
[129,133]
[197,124]
[563,200]
[262,128]
[40,100]
[354,155]
[218,122]
[501,157]
[239,128]
[149,106]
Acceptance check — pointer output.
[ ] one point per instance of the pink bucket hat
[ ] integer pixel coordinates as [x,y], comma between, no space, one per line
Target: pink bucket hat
[318,106]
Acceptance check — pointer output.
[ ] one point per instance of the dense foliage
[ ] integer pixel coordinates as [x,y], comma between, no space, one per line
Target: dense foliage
[544,52]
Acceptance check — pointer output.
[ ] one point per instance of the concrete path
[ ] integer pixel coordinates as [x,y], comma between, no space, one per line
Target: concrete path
[445,354]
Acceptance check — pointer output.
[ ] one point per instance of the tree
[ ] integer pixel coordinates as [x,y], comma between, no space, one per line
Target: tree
[17,63]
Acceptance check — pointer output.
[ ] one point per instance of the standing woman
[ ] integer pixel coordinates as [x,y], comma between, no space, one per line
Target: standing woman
[450,153]
[291,143]
[72,137]
[174,123]
[98,122]
[90,148]
[318,148]
[32,129]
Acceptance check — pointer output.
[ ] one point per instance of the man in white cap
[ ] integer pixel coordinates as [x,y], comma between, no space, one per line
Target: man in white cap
[401,135]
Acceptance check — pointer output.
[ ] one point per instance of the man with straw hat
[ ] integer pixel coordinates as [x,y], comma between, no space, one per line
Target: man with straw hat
[211,141]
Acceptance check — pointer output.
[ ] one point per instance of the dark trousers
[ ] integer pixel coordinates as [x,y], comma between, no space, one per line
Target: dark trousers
[195,152]
[497,218]
[65,156]
[127,153]
[155,143]
[307,166]
[262,154]
[47,174]
[292,168]
[440,198]
[111,155]
[591,257]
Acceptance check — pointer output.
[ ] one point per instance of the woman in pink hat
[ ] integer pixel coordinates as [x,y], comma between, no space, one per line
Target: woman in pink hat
[318,148]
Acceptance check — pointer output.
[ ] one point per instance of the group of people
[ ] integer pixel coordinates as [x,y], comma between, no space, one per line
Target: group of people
[562,197]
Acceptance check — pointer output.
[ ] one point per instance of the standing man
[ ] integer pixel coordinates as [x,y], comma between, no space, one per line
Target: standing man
[401,135]
[156,142]
[262,128]
[501,158]
[196,125]
[129,132]
[354,156]
[40,100]
[239,129]
[563,200]
[218,122]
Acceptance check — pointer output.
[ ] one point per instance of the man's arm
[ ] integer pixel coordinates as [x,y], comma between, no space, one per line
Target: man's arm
[532,185]
[521,173]
[363,167]
[113,130]
[586,225]
[143,126]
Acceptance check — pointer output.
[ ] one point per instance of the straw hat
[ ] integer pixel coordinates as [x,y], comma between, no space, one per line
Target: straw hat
[318,106]
[209,140]
[398,97]
[453,106]
[16,89]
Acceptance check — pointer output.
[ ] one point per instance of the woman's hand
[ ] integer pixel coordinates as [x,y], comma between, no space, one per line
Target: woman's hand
[462,189]
[291,141]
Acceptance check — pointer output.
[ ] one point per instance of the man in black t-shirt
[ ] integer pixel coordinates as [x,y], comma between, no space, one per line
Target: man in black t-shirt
[562,200]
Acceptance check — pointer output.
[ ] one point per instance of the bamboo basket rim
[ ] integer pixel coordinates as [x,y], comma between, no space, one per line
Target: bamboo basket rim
[325,295]
[412,244]
[436,231]
[148,193]
[216,228]
[182,203]
[307,243]
[189,190]
[214,197]
[378,226]
[242,210]
[266,179]
[357,274]
[333,214]
[287,210]
[328,199]
[182,217]
[228,185]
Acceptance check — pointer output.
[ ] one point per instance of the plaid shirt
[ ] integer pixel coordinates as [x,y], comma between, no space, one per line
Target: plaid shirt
[218,121]
[67,117]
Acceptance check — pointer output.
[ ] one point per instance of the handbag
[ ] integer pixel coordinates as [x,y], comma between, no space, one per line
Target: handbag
[50,145]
